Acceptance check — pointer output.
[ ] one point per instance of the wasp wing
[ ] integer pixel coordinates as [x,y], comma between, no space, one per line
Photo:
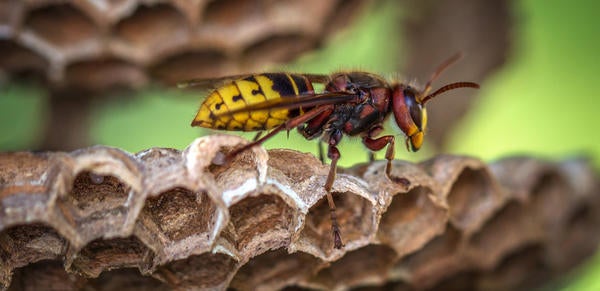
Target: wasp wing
[211,83]
[297,101]
[214,83]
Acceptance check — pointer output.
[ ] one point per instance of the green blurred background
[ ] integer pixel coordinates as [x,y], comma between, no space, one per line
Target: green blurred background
[543,102]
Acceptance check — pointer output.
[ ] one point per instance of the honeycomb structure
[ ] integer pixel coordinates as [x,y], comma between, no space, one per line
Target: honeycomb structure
[100,44]
[101,218]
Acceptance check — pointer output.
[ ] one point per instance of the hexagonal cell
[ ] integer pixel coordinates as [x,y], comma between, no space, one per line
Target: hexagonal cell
[277,49]
[97,205]
[513,226]
[104,74]
[295,165]
[523,269]
[106,12]
[26,189]
[466,280]
[20,61]
[189,65]
[125,279]
[94,192]
[578,239]
[180,213]
[551,189]
[11,12]
[232,13]
[411,220]
[471,199]
[354,215]
[274,270]
[61,25]
[344,12]
[369,265]
[45,275]
[100,255]
[204,271]
[24,244]
[260,223]
[438,259]
[150,31]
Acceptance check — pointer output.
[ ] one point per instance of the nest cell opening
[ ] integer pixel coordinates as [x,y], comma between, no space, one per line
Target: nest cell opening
[189,65]
[470,199]
[264,218]
[510,228]
[104,74]
[354,216]
[274,269]
[576,243]
[153,28]
[550,190]
[21,62]
[411,220]
[199,271]
[93,192]
[42,275]
[125,279]
[232,13]
[100,255]
[522,269]
[438,259]
[180,213]
[277,49]
[368,264]
[24,244]
[61,25]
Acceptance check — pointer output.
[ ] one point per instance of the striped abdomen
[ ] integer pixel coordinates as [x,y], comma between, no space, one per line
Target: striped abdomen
[248,91]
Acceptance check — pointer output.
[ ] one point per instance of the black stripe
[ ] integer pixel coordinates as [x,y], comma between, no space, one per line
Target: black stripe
[281,84]
[256,92]
[300,83]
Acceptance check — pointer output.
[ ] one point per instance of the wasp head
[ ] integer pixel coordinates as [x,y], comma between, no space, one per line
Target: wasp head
[409,110]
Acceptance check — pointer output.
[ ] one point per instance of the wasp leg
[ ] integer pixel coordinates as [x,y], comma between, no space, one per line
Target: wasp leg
[257,136]
[371,156]
[378,144]
[334,154]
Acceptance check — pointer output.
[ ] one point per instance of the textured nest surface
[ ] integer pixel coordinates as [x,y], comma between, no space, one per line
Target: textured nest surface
[104,219]
[100,44]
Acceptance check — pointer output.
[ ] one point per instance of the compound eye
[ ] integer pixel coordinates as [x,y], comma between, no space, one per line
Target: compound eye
[414,108]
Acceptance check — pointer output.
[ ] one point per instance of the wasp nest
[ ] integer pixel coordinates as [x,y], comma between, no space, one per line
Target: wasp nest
[99,44]
[106,219]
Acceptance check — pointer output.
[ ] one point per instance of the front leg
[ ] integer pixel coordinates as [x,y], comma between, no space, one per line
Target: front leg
[334,154]
[376,144]
[379,143]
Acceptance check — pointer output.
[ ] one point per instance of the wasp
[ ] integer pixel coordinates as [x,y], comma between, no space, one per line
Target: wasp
[352,103]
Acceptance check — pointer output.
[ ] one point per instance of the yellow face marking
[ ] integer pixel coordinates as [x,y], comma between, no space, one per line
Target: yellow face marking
[416,141]
[424,122]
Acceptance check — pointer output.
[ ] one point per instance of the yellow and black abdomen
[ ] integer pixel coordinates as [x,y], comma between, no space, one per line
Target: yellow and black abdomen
[248,91]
